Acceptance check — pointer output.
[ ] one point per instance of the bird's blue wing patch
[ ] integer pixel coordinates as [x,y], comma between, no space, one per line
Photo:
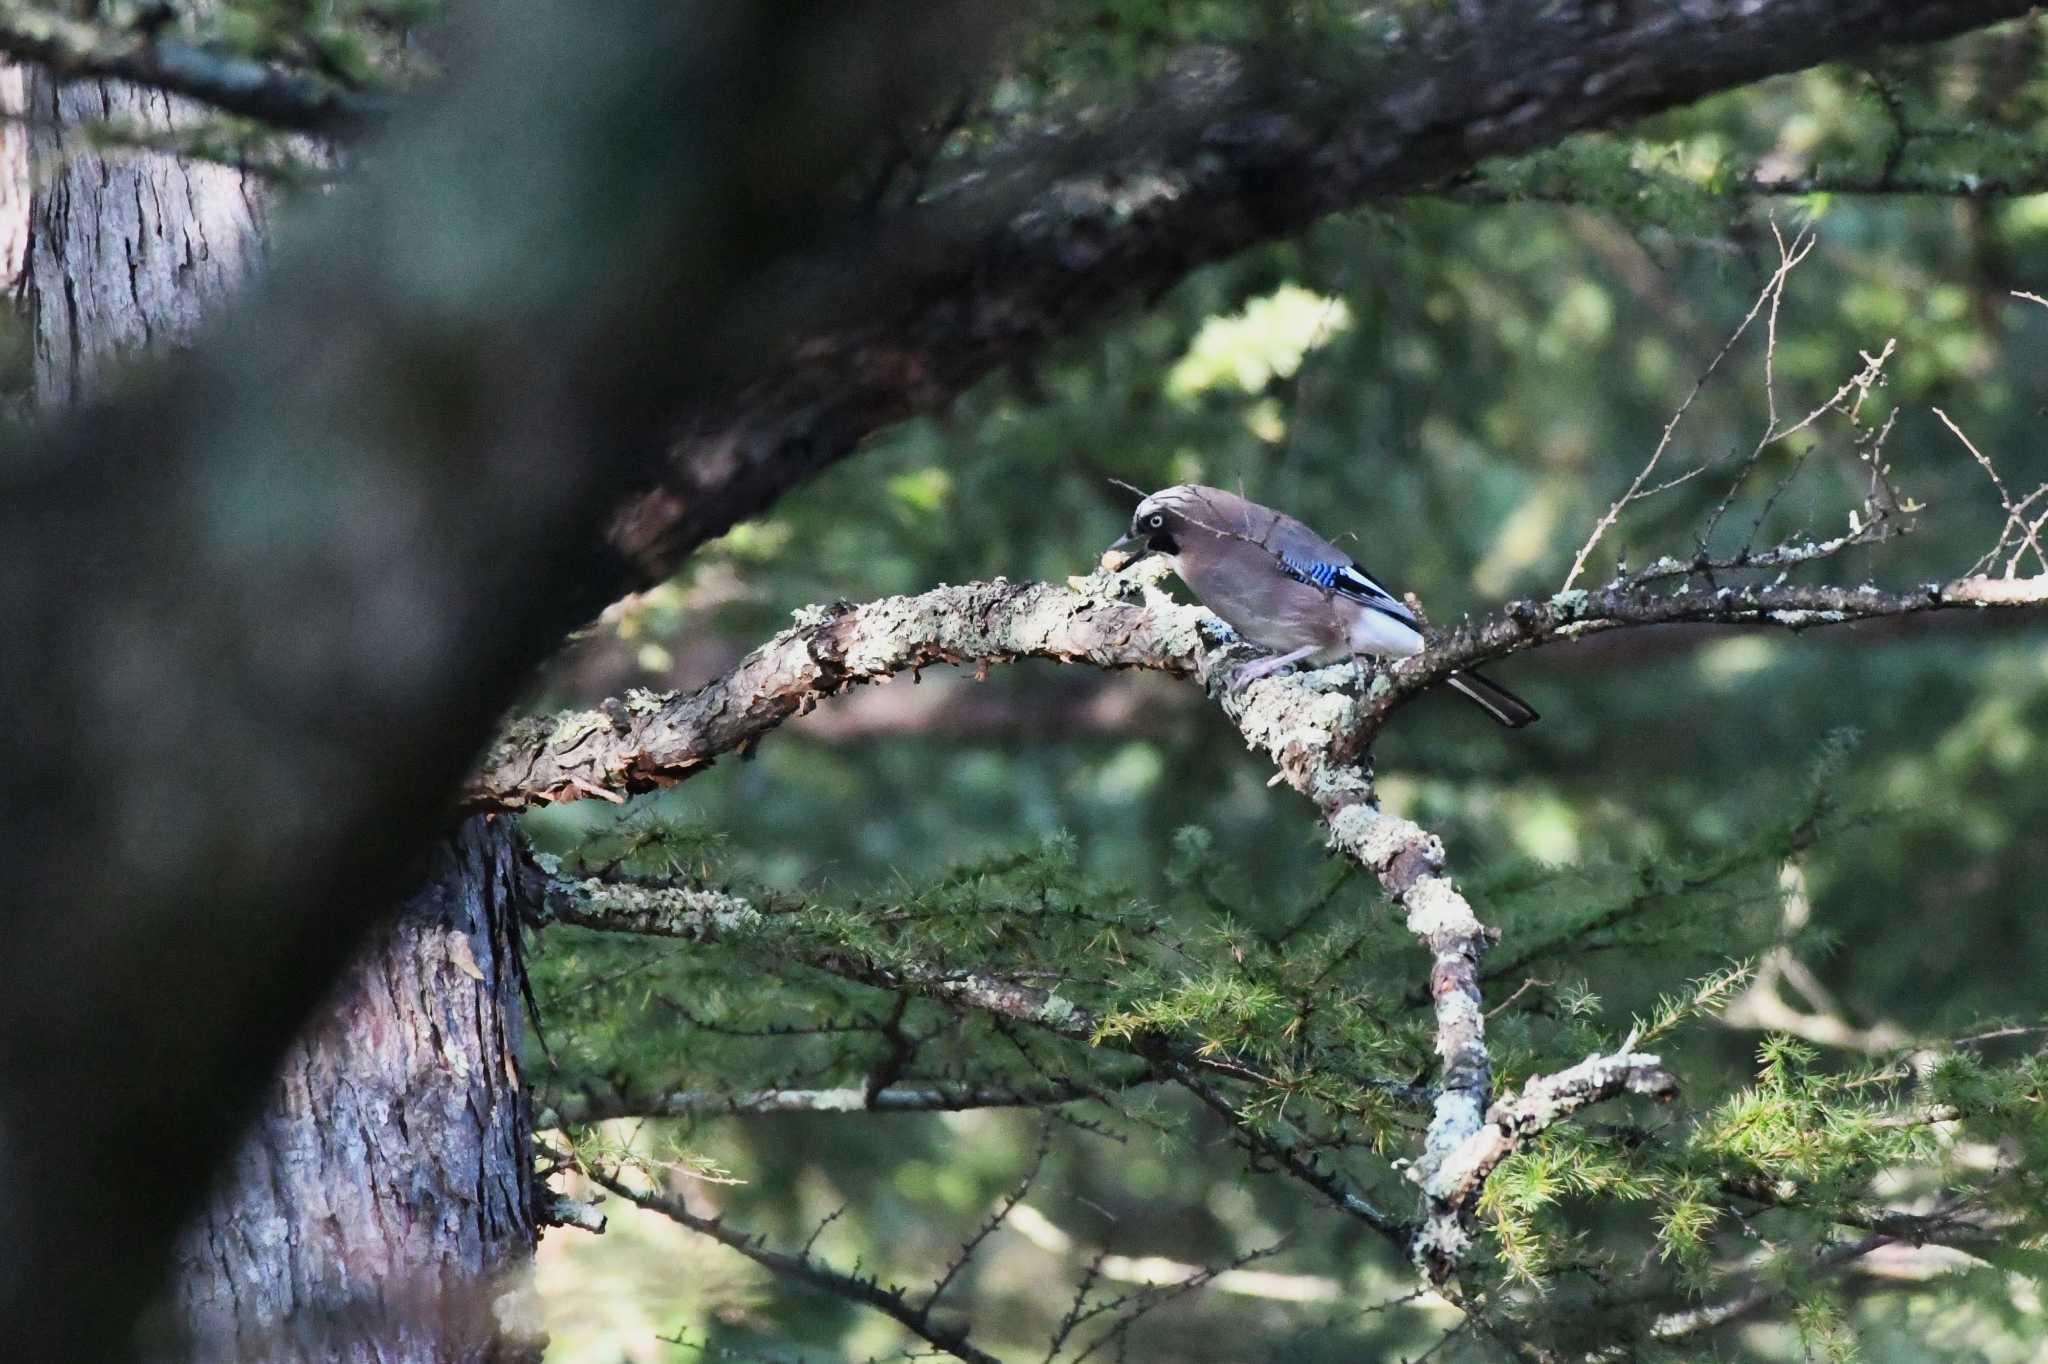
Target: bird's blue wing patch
[1346,580]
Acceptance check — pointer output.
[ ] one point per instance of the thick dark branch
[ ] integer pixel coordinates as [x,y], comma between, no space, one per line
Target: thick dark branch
[1039,242]
[291,100]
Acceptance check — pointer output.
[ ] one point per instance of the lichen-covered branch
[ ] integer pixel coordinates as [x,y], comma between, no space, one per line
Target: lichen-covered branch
[1315,728]
[1571,615]
[1454,1183]
[650,740]
[934,1097]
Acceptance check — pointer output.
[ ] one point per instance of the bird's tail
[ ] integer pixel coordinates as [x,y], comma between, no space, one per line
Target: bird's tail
[1497,701]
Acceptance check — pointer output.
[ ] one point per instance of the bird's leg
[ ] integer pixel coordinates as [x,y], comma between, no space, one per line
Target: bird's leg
[1266,667]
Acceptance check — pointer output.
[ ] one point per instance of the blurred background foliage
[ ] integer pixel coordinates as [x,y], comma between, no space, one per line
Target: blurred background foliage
[1464,383]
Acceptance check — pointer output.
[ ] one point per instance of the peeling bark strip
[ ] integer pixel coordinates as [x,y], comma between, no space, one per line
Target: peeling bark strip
[1314,727]
[319,1245]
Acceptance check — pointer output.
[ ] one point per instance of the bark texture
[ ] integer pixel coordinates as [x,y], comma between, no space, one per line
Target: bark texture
[385,1198]
[381,1195]
[128,250]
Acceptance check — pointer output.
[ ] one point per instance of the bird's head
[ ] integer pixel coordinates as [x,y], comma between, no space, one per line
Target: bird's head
[1157,527]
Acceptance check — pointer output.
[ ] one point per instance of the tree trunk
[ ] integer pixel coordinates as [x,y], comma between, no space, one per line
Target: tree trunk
[385,1198]
[384,1194]
[127,249]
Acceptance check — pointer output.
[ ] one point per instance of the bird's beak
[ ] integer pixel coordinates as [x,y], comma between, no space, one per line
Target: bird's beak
[1124,553]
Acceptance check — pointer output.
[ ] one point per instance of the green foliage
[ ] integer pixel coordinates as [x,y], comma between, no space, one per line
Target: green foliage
[1689,812]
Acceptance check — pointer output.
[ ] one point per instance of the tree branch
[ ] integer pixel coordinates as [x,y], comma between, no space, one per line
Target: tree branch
[804,1268]
[1311,727]
[291,100]
[683,913]
[1544,1101]
[1045,238]
[936,1097]
[652,740]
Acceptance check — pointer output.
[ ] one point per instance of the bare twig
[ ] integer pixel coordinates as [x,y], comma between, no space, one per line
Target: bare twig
[1157,1271]
[2017,530]
[804,1268]
[1769,295]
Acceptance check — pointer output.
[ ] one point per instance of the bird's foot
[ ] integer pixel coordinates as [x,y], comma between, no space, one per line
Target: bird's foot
[1266,667]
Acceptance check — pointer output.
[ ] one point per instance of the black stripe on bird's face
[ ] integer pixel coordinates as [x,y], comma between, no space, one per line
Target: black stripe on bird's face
[1151,533]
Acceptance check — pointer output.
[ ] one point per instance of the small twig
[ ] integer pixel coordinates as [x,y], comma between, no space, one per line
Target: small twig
[1770,290]
[993,1221]
[2024,535]
[888,1300]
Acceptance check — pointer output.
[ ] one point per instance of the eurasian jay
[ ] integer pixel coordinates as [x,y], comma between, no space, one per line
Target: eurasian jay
[1286,588]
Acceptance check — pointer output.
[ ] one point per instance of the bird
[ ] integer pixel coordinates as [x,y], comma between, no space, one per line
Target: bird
[1285,588]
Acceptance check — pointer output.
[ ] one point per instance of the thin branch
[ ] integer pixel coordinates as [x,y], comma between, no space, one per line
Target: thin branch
[1302,1165]
[992,1222]
[803,1268]
[1679,1325]
[1157,1271]
[2022,534]
[1772,288]
[911,1098]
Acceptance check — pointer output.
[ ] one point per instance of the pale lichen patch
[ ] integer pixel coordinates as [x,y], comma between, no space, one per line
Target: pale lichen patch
[574,726]
[1436,909]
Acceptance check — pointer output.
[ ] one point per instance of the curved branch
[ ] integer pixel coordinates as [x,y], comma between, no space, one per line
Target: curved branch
[652,740]
[1045,239]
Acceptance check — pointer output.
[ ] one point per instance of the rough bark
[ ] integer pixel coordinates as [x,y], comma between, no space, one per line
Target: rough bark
[126,251]
[381,1195]
[384,1200]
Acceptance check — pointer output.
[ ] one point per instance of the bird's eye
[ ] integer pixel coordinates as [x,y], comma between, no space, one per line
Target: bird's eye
[1155,521]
